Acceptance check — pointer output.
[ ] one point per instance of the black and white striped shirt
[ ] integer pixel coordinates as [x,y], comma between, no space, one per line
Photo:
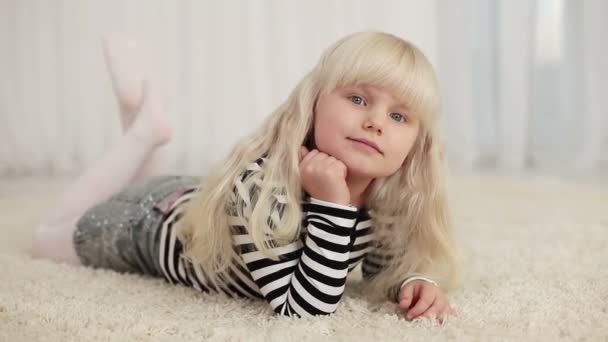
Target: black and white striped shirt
[309,277]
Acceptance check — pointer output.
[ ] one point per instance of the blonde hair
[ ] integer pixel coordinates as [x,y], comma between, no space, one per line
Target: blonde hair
[408,209]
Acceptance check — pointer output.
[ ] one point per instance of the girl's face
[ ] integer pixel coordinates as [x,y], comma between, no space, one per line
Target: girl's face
[366,128]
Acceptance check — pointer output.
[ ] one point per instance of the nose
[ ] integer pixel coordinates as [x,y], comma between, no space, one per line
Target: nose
[373,122]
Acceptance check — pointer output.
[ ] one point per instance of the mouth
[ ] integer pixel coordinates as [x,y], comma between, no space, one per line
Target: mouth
[368,143]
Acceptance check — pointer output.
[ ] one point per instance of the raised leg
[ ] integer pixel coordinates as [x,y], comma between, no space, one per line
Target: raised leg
[144,133]
[127,72]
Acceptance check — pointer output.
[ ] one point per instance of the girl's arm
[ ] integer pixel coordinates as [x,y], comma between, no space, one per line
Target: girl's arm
[310,277]
[374,262]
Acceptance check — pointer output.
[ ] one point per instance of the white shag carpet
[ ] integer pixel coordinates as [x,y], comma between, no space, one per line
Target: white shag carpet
[537,269]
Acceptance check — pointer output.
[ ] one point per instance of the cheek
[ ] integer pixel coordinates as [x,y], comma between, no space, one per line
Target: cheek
[329,127]
[325,136]
[402,148]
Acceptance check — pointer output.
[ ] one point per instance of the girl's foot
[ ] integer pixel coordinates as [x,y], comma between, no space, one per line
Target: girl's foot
[151,125]
[137,98]
[126,72]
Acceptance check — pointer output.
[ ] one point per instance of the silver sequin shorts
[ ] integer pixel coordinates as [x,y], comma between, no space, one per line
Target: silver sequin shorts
[122,233]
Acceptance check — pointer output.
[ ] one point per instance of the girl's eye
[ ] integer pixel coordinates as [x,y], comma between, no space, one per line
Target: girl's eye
[358,100]
[398,117]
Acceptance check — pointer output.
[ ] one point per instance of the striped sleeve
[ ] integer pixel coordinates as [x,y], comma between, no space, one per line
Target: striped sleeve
[373,264]
[310,275]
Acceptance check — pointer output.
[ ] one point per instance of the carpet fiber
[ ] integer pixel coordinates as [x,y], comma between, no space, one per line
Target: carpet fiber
[536,268]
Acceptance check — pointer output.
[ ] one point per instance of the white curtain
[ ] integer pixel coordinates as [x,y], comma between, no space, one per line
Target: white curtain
[223,65]
[521,80]
[523,83]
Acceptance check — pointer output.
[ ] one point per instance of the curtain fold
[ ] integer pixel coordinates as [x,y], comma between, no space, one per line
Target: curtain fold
[521,81]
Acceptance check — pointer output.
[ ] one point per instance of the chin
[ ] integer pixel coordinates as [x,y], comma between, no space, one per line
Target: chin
[365,170]
[360,171]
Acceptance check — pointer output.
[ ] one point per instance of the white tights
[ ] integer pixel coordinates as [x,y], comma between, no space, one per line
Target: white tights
[136,154]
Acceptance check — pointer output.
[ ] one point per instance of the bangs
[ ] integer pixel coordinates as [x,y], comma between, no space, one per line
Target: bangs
[387,62]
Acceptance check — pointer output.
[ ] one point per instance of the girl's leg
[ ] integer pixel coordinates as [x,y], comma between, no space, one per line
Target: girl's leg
[144,133]
[126,68]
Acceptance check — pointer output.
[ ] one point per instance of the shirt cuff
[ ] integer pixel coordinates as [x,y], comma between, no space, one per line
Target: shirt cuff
[332,204]
[410,279]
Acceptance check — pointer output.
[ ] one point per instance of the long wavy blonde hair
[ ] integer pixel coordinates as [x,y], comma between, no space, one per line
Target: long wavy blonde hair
[409,209]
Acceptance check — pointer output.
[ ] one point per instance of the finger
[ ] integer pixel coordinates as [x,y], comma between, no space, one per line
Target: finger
[341,166]
[331,162]
[442,315]
[326,159]
[432,312]
[435,310]
[406,295]
[449,311]
[425,301]
[317,158]
[309,156]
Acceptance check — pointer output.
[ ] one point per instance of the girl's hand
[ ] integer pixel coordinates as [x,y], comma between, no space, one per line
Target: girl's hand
[423,298]
[323,176]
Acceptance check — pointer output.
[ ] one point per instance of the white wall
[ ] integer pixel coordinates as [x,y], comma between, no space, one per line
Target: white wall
[223,65]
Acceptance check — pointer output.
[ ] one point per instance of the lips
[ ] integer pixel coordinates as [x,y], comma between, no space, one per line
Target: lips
[368,143]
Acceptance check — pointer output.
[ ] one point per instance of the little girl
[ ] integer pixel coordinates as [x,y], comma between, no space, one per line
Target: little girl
[347,171]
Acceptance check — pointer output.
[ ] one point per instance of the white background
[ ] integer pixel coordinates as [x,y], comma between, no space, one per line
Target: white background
[523,82]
